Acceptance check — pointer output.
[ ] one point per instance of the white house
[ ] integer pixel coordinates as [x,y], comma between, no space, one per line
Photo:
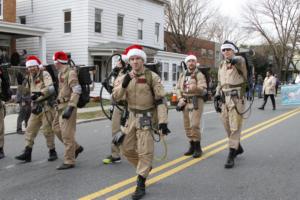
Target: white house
[92,30]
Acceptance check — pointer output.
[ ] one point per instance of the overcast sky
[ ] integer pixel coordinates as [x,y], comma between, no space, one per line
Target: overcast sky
[231,8]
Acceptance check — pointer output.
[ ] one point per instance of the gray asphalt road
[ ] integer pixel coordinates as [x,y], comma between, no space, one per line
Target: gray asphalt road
[267,170]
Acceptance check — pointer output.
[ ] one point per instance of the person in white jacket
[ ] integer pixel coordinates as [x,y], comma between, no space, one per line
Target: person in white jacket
[269,89]
[297,80]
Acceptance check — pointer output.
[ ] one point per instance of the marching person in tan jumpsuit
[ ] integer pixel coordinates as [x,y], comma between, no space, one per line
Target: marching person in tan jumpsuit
[64,123]
[42,91]
[191,88]
[231,87]
[119,109]
[144,94]
[269,89]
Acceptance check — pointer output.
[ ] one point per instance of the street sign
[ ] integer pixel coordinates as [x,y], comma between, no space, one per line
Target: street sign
[290,94]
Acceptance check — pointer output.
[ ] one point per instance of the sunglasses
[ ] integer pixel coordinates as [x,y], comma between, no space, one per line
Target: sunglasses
[226,50]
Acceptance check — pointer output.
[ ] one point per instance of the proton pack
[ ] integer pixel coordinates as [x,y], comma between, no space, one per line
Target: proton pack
[84,79]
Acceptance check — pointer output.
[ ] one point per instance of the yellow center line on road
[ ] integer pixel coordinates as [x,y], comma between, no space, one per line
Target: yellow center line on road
[194,161]
[174,162]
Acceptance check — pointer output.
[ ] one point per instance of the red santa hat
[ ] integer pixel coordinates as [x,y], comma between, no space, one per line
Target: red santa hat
[33,61]
[60,57]
[136,50]
[190,57]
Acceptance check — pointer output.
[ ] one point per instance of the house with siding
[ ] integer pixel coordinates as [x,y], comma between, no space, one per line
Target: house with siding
[90,31]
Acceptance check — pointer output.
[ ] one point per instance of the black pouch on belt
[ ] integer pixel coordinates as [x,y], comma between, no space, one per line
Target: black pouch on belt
[37,108]
[124,117]
[195,102]
[234,93]
[145,122]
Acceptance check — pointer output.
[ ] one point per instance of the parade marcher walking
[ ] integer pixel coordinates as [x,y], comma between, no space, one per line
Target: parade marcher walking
[231,89]
[64,123]
[269,89]
[144,94]
[191,88]
[40,84]
[118,112]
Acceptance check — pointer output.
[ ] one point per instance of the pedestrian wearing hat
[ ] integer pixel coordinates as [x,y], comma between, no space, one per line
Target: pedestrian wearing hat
[191,87]
[40,85]
[144,94]
[231,88]
[64,124]
[119,110]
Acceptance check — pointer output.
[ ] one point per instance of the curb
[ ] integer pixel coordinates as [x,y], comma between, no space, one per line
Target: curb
[80,122]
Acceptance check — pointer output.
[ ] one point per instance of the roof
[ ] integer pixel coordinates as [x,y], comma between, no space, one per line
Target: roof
[21,30]
[116,47]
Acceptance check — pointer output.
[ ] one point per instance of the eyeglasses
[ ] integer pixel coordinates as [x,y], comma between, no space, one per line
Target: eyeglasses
[226,50]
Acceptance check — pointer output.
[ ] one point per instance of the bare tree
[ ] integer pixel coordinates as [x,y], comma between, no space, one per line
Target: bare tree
[222,28]
[185,20]
[278,21]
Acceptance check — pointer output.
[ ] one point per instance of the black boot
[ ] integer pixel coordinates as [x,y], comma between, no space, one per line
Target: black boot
[191,149]
[140,190]
[230,159]
[1,153]
[65,166]
[52,155]
[261,108]
[240,150]
[197,149]
[26,155]
[78,151]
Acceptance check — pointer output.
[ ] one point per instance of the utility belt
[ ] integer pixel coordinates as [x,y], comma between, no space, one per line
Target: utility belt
[122,103]
[62,100]
[233,92]
[137,112]
[192,102]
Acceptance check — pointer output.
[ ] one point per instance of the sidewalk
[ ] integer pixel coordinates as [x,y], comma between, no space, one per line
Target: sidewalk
[10,120]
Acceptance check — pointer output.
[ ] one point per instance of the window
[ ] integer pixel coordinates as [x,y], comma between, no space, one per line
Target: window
[1,9]
[210,54]
[120,25]
[157,26]
[98,18]
[203,52]
[174,72]
[22,19]
[67,21]
[166,71]
[140,29]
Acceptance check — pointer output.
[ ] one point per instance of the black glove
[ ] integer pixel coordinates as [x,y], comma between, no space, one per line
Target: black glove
[126,81]
[37,109]
[35,95]
[20,78]
[234,61]
[164,129]
[115,71]
[218,103]
[118,138]
[68,112]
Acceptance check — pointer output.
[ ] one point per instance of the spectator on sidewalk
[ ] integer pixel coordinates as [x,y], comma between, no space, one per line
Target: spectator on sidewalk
[297,80]
[269,89]
[277,84]
[23,98]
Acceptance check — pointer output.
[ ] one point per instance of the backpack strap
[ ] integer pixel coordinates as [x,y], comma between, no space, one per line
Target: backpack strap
[149,80]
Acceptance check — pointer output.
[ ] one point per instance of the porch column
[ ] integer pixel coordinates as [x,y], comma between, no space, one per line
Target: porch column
[43,49]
